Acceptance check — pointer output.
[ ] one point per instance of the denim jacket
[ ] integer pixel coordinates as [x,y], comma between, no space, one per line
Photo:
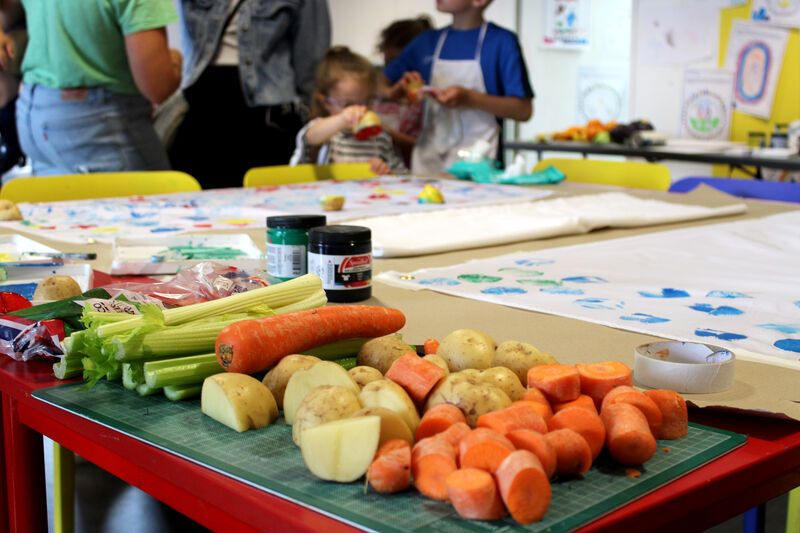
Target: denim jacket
[280,45]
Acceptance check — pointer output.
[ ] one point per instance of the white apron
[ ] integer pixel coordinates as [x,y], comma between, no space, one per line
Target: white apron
[445,130]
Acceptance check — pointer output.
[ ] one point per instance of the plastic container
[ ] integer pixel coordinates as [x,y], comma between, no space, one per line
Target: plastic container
[287,244]
[342,257]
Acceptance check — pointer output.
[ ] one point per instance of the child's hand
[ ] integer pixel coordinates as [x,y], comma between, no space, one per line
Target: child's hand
[379,166]
[453,96]
[350,116]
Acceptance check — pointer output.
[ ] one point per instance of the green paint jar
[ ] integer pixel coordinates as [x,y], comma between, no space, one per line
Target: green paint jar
[287,244]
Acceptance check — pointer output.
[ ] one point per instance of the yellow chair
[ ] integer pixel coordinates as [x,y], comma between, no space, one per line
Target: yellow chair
[97,185]
[621,173]
[286,174]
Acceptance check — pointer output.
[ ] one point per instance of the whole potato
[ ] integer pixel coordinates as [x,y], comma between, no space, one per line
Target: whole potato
[382,352]
[520,357]
[277,378]
[56,288]
[505,379]
[9,210]
[323,404]
[467,348]
[365,374]
[438,361]
[473,397]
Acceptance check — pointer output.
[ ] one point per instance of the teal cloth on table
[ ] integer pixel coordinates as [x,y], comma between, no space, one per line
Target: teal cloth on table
[486,171]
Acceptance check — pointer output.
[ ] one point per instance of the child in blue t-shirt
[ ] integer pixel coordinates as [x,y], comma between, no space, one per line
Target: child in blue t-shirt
[477,75]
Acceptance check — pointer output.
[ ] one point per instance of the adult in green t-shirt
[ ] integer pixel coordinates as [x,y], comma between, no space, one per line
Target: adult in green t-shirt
[90,72]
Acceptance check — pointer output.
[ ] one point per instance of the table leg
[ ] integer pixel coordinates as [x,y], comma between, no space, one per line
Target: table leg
[3,490]
[27,502]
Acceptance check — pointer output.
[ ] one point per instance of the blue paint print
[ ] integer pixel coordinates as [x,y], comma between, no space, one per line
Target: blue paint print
[789,329]
[722,335]
[665,293]
[727,294]
[196,218]
[790,345]
[797,303]
[561,290]
[439,281]
[585,279]
[164,230]
[644,318]
[521,271]
[599,303]
[534,262]
[144,223]
[504,290]
[722,310]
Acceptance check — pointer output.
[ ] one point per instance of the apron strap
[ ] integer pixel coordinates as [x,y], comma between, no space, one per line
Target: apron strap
[440,43]
[481,36]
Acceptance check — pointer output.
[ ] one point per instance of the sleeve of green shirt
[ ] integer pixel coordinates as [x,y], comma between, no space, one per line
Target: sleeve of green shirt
[140,15]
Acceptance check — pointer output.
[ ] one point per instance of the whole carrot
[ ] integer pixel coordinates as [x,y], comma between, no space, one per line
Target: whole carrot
[251,346]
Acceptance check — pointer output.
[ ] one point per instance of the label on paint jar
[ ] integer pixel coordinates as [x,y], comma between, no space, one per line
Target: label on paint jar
[342,272]
[286,260]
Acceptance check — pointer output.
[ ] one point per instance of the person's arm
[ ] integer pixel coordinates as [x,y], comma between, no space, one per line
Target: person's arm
[323,129]
[512,107]
[156,68]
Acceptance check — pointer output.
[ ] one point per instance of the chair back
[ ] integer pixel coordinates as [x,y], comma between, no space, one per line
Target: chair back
[633,174]
[743,187]
[286,174]
[97,185]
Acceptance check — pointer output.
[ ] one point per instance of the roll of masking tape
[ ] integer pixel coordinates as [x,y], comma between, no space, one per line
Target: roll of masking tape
[685,367]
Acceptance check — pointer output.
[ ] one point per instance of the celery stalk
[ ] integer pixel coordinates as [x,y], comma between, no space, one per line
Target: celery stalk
[182,392]
[145,390]
[181,370]
[274,296]
[132,375]
[346,362]
[68,367]
[337,350]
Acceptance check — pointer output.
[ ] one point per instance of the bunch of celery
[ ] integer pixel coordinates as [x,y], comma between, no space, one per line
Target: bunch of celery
[172,350]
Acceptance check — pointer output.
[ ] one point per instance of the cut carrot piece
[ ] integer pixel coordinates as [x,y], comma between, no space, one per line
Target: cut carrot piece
[455,433]
[558,382]
[573,455]
[416,375]
[525,439]
[432,460]
[484,448]
[628,437]
[524,487]
[674,416]
[583,400]
[646,405]
[431,346]
[438,418]
[474,495]
[390,471]
[532,394]
[543,408]
[599,378]
[587,423]
[516,416]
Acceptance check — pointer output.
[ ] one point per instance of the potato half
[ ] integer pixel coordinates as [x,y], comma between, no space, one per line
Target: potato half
[239,401]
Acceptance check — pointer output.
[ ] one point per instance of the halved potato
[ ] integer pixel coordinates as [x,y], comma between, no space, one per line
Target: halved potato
[277,378]
[323,404]
[388,394]
[392,426]
[304,381]
[239,401]
[341,450]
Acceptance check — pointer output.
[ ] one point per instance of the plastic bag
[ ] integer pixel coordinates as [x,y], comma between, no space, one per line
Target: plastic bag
[23,339]
[201,283]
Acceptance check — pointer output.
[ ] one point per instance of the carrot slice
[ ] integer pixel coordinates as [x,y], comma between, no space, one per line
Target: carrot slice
[416,375]
[543,408]
[599,378]
[438,418]
[628,437]
[431,346]
[524,487]
[432,460]
[455,433]
[573,455]
[583,400]
[587,423]
[390,471]
[646,405]
[674,415]
[521,415]
[526,439]
[558,382]
[474,495]
[532,394]
[483,448]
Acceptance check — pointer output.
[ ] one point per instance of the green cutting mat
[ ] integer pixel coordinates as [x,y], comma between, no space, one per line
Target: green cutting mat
[268,459]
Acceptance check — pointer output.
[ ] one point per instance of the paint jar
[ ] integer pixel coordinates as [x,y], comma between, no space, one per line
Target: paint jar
[342,257]
[287,244]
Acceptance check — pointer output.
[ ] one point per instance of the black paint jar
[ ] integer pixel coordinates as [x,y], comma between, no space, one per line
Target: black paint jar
[342,257]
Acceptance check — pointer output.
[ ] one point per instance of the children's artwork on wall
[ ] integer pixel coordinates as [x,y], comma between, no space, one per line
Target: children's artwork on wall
[672,32]
[104,219]
[601,94]
[707,103]
[566,24]
[755,54]
[784,13]
[726,284]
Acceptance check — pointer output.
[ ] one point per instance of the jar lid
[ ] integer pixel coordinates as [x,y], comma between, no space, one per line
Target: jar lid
[340,234]
[296,221]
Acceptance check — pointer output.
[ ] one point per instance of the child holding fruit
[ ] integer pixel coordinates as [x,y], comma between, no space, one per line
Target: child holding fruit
[480,75]
[343,90]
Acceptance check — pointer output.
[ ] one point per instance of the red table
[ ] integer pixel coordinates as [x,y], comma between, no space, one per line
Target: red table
[766,466]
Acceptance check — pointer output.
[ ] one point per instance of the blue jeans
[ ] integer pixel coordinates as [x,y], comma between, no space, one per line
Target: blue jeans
[91,130]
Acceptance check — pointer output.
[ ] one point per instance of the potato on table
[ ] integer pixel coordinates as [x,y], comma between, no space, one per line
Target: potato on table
[239,401]
[341,450]
[382,352]
[365,374]
[519,357]
[472,396]
[277,378]
[388,394]
[467,348]
[325,403]
[56,287]
[304,381]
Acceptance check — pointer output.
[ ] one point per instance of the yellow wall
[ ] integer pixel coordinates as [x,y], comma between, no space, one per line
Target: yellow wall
[786,105]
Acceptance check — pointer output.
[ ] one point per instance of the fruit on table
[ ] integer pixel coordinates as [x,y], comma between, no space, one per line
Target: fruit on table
[239,401]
